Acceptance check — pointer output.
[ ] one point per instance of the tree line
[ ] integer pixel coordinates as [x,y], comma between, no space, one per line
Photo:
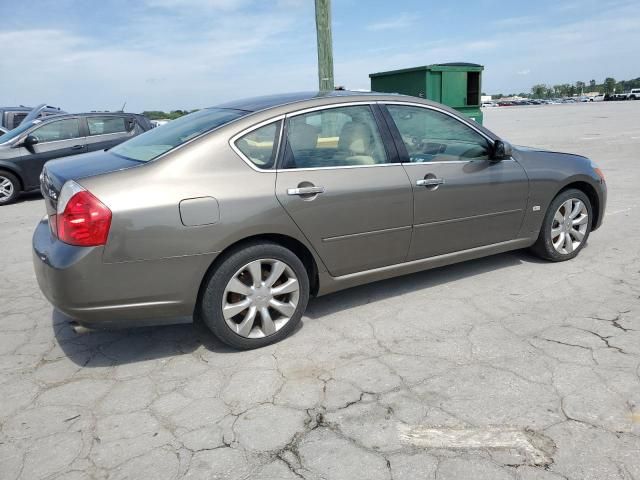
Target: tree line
[160,115]
[610,85]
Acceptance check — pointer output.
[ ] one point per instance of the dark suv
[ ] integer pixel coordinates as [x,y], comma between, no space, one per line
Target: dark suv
[12,117]
[25,149]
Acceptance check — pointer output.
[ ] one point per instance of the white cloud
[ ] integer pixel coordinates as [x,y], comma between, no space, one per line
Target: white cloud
[513,22]
[401,21]
[159,64]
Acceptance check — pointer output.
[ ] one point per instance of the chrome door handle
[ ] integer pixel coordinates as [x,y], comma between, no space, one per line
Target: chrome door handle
[305,190]
[77,147]
[430,182]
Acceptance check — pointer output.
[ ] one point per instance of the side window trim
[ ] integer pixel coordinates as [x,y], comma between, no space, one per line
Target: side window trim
[389,148]
[397,137]
[233,140]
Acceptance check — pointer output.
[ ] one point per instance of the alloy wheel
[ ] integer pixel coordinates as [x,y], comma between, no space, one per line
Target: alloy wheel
[569,226]
[260,298]
[6,189]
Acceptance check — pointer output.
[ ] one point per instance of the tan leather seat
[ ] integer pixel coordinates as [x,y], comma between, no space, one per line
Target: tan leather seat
[302,136]
[354,144]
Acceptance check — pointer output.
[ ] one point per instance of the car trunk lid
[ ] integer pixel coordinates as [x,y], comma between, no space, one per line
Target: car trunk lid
[57,172]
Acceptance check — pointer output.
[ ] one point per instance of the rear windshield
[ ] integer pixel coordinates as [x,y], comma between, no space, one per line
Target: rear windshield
[161,139]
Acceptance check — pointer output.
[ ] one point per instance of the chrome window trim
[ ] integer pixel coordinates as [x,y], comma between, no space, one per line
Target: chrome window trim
[92,135]
[456,161]
[341,167]
[55,141]
[331,106]
[430,107]
[237,136]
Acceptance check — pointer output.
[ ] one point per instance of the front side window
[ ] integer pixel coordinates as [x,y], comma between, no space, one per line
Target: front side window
[259,145]
[335,137]
[60,130]
[159,140]
[105,125]
[432,136]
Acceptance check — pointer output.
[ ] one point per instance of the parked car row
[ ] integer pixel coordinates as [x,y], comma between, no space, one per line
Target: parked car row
[540,101]
[25,149]
[633,94]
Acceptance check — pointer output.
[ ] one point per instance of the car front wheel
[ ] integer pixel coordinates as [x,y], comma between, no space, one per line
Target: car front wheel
[566,227]
[9,187]
[256,296]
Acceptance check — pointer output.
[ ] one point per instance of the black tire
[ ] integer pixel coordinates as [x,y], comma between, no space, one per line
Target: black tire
[15,187]
[543,247]
[212,297]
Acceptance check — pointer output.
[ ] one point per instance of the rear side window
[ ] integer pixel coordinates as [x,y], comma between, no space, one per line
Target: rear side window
[106,125]
[335,137]
[259,146]
[60,130]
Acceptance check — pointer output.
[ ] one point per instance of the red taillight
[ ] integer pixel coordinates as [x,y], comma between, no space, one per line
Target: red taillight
[84,222]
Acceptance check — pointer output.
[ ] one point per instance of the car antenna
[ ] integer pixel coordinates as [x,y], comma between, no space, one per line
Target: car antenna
[123,105]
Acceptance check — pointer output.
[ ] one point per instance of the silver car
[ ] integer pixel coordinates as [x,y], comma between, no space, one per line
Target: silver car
[239,213]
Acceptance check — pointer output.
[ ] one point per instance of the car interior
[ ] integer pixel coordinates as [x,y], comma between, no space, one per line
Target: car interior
[334,139]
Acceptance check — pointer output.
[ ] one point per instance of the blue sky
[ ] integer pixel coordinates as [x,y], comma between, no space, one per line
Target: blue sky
[167,54]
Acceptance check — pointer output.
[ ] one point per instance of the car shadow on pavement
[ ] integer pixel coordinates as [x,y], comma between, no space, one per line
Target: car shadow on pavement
[29,197]
[386,289]
[101,348]
[120,346]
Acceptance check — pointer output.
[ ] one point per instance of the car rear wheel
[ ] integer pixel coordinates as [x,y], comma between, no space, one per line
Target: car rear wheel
[9,187]
[566,227]
[256,296]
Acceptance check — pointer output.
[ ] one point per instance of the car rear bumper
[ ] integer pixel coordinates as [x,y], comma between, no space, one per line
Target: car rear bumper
[103,295]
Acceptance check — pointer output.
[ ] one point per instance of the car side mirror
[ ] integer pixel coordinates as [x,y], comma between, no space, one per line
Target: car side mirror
[30,141]
[501,150]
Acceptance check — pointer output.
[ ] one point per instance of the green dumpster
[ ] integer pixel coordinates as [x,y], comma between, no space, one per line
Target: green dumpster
[457,85]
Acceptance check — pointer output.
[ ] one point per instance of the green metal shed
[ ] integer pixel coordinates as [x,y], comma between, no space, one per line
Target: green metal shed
[457,85]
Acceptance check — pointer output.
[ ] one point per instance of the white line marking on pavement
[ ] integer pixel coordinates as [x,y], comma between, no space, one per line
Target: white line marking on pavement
[498,438]
[624,210]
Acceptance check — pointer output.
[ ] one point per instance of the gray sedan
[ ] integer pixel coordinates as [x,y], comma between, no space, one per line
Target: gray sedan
[239,213]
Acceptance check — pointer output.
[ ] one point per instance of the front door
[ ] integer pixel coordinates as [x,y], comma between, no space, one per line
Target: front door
[56,139]
[462,198]
[337,184]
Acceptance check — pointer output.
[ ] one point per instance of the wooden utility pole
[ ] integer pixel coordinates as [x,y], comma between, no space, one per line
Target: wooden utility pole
[325,44]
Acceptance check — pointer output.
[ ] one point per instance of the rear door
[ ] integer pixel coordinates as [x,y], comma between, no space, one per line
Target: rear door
[106,131]
[462,199]
[340,182]
[56,139]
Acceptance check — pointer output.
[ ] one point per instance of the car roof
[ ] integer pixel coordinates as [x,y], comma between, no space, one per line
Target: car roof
[22,108]
[255,104]
[87,114]
[262,108]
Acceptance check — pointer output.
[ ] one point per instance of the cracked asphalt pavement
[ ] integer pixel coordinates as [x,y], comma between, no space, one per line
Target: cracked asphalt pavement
[500,368]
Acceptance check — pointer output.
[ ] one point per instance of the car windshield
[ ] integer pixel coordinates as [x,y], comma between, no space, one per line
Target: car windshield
[161,139]
[16,132]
